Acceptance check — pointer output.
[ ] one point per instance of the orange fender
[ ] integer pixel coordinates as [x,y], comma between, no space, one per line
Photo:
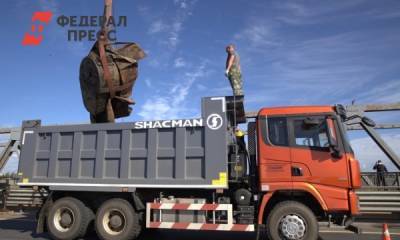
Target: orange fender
[295,186]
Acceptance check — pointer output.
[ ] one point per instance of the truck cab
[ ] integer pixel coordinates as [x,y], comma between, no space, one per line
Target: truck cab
[304,161]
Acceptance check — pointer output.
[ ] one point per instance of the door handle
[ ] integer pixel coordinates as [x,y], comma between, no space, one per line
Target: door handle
[297,171]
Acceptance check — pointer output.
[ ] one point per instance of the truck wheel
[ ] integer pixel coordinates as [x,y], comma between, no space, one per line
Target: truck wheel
[293,221]
[68,218]
[116,219]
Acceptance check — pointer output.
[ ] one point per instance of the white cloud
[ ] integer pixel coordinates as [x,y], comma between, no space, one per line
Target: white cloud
[179,62]
[154,62]
[143,10]
[258,35]
[181,3]
[221,91]
[296,9]
[157,27]
[156,108]
[212,90]
[201,87]
[175,31]
[321,12]
[172,104]
[49,5]
[147,81]
[172,27]
[297,13]
[387,14]
[382,93]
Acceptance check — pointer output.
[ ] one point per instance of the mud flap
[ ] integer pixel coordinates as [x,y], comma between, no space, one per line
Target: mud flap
[349,226]
[138,204]
[354,229]
[41,215]
[261,232]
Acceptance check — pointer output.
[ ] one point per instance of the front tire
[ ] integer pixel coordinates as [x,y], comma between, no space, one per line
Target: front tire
[68,219]
[292,220]
[117,220]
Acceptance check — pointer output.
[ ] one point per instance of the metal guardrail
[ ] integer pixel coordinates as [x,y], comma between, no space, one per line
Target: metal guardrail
[12,196]
[375,198]
[19,197]
[373,201]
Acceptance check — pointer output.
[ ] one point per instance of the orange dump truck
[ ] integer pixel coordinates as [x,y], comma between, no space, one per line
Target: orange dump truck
[295,169]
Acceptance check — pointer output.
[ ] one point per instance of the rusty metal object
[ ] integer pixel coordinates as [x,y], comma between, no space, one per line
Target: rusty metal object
[108,74]
[99,95]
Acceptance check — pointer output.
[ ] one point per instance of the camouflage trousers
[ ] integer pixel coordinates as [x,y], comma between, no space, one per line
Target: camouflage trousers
[235,78]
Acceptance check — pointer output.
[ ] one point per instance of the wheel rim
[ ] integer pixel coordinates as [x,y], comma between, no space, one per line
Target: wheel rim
[114,221]
[292,227]
[64,219]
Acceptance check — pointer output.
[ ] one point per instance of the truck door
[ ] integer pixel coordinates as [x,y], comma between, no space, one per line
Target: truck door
[274,151]
[312,160]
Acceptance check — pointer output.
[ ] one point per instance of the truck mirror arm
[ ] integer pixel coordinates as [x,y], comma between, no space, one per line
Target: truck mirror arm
[362,119]
[368,125]
[336,153]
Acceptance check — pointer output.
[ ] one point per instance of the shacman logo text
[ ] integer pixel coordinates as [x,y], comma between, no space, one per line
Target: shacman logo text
[35,37]
[73,26]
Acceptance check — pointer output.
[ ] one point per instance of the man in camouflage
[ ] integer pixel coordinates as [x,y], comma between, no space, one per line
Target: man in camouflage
[233,71]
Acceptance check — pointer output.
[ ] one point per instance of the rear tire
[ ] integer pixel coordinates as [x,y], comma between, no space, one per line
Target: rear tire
[292,220]
[117,220]
[68,219]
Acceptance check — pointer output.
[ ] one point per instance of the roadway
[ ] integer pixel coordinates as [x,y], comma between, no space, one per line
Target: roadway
[21,227]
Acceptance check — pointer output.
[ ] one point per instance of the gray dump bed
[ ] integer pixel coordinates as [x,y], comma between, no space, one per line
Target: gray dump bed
[189,153]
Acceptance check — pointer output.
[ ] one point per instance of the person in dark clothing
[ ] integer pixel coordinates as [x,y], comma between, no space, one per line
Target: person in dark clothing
[380,173]
[240,141]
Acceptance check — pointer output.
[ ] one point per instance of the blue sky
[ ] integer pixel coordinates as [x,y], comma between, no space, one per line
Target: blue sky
[292,52]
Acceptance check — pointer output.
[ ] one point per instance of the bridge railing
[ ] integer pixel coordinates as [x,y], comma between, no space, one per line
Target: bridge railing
[370,181]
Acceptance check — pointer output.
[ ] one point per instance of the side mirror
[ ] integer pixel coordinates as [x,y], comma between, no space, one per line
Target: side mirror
[333,146]
[368,121]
